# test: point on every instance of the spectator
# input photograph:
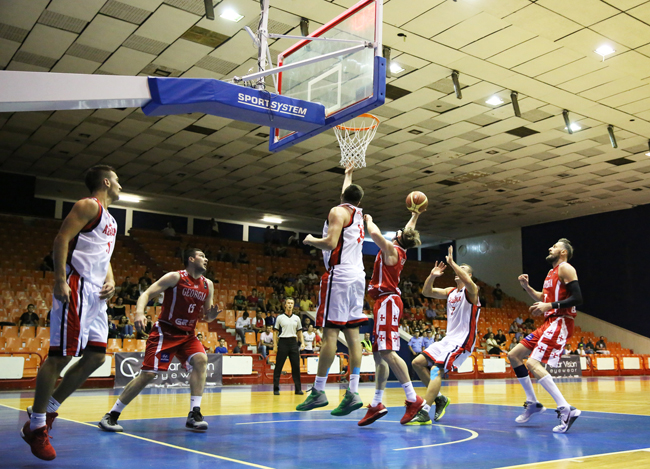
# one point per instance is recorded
(130, 296)
(415, 344)
(48, 263)
(239, 348)
(125, 328)
(513, 344)
(441, 313)
(266, 341)
(126, 284)
(404, 327)
(113, 331)
(214, 228)
(582, 342)
(242, 325)
(313, 277)
(294, 239)
(142, 286)
(146, 278)
(567, 350)
(274, 305)
(575, 352)
(243, 257)
(500, 338)
(273, 279)
(519, 320)
(223, 255)
(428, 339)
(169, 231)
(581, 350)
(430, 313)
(259, 325)
(29, 317)
(270, 319)
(223, 347)
(601, 346)
(199, 336)
(589, 347)
(497, 295)
(305, 304)
(148, 325)
(514, 327)
(289, 290)
(407, 294)
(239, 302)
(487, 335)
(492, 346)
(253, 299)
(309, 337)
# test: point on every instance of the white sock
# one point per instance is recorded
(527, 384)
(354, 382)
(118, 407)
(195, 401)
(37, 421)
(53, 405)
(550, 386)
(426, 407)
(379, 395)
(410, 392)
(439, 394)
(320, 382)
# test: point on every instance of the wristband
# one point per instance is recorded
(555, 305)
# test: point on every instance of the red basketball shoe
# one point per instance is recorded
(373, 414)
(39, 441)
(411, 409)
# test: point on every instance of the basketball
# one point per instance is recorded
(416, 201)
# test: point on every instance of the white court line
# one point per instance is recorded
(555, 461)
(472, 436)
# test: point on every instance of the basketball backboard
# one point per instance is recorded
(347, 85)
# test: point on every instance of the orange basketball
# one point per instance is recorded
(416, 201)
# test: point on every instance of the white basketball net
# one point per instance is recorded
(354, 138)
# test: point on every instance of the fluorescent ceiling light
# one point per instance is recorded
(130, 198)
(231, 15)
(272, 220)
(604, 51)
(395, 68)
(494, 101)
(574, 127)
(390, 234)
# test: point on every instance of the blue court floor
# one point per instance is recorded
(469, 436)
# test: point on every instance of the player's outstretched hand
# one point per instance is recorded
(107, 291)
(438, 269)
(308, 240)
(450, 255)
(523, 280)
(367, 218)
(349, 169)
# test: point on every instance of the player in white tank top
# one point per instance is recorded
(346, 259)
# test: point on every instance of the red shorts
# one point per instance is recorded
(548, 341)
(164, 343)
(388, 313)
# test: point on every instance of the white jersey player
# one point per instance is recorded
(463, 309)
(79, 324)
(342, 288)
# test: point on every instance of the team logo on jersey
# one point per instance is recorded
(548, 283)
(164, 357)
(110, 230)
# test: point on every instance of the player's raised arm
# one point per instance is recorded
(169, 280)
(387, 247)
(534, 294)
(413, 221)
(464, 275)
(210, 311)
(428, 290)
(81, 214)
(335, 222)
(348, 178)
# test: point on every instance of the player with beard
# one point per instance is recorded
(188, 298)
(557, 302)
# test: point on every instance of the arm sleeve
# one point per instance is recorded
(574, 299)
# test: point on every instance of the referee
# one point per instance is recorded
(286, 333)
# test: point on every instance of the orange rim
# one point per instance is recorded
(360, 129)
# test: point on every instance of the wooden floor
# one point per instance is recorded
(485, 408)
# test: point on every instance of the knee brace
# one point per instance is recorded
(435, 371)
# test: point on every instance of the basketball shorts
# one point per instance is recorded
(446, 355)
(80, 324)
(548, 341)
(164, 343)
(340, 301)
(388, 312)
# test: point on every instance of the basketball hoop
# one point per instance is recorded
(354, 138)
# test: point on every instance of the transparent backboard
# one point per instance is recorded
(340, 82)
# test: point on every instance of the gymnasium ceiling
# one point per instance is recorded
(482, 168)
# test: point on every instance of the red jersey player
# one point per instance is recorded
(387, 310)
(79, 325)
(557, 301)
(188, 298)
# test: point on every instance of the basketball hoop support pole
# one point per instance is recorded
(263, 38)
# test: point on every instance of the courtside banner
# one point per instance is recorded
(127, 367)
(568, 367)
(218, 98)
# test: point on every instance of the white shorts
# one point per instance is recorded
(80, 324)
(340, 304)
(446, 354)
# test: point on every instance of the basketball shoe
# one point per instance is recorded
(39, 441)
(49, 417)
(108, 423)
(351, 402)
(412, 409)
(421, 418)
(314, 400)
(441, 405)
(531, 408)
(373, 414)
(567, 415)
(195, 420)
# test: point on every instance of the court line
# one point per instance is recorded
(472, 436)
(130, 435)
(555, 461)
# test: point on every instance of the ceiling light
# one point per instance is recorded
(494, 101)
(130, 198)
(390, 234)
(395, 68)
(604, 51)
(574, 127)
(612, 137)
(231, 15)
(455, 79)
(514, 97)
(567, 122)
(268, 219)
